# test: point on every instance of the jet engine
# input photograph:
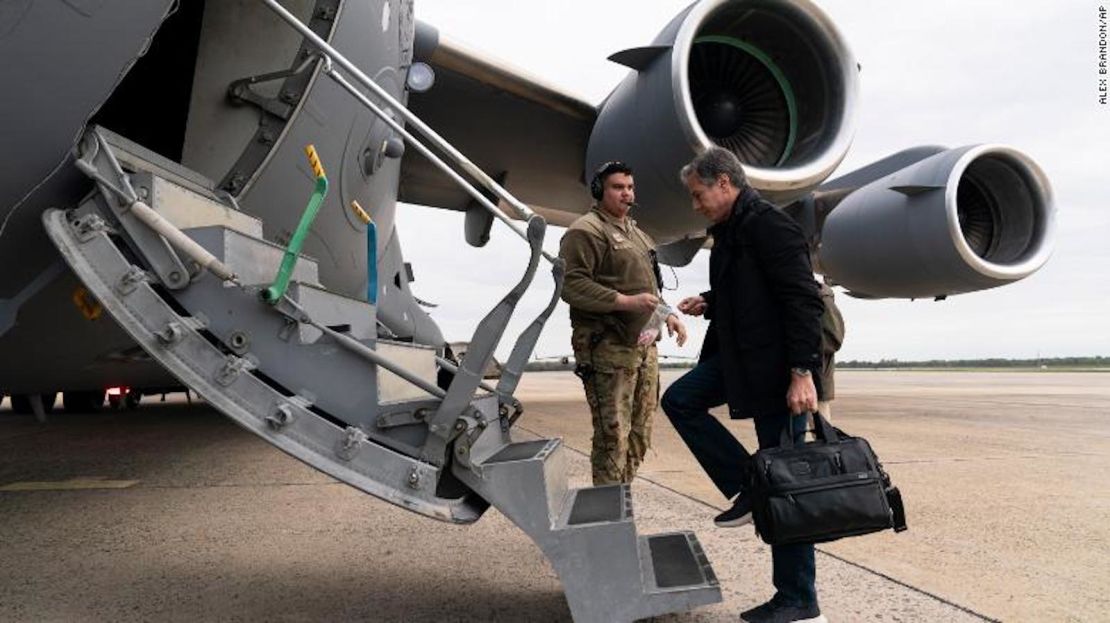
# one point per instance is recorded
(774, 82)
(957, 221)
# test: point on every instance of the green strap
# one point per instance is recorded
(274, 293)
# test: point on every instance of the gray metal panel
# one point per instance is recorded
(9, 307)
(239, 38)
(597, 504)
(331, 309)
(415, 358)
(62, 60)
(674, 562)
(517, 487)
(255, 260)
(134, 157)
(518, 451)
(187, 209)
(333, 378)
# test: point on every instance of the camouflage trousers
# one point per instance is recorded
(622, 389)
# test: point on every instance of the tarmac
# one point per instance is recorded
(173, 513)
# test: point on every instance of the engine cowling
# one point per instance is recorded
(772, 81)
(958, 221)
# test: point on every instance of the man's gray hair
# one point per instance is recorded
(712, 163)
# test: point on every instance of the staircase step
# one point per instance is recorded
(354, 317)
(255, 260)
(529, 466)
(358, 319)
(416, 358)
(676, 574)
(135, 157)
(609, 572)
(521, 451)
(188, 209)
(184, 197)
(677, 561)
(594, 505)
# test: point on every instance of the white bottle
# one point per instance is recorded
(654, 326)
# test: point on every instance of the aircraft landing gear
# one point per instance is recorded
(38, 404)
(83, 401)
(127, 400)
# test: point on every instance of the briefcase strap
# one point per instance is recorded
(898, 512)
(822, 429)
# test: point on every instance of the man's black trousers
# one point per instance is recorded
(687, 402)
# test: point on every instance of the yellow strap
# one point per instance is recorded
(360, 213)
(314, 161)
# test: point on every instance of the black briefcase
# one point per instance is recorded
(822, 490)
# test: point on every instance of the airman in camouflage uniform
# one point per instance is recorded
(612, 288)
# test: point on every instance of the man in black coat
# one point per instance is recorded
(761, 355)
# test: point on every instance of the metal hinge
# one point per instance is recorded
(240, 92)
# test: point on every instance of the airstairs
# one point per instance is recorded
(183, 271)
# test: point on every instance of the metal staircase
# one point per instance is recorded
(609, 572)
(183, 273)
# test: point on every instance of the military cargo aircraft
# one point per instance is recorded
(154, 232)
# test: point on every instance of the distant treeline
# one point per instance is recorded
(567, 363)
(1054, 362)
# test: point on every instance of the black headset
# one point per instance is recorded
(597, 184)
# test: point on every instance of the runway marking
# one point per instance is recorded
(73, 484)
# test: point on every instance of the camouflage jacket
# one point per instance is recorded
(605, 256)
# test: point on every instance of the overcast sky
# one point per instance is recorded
(949, 73)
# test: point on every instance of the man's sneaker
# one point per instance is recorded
(776, 612)
(738, 515)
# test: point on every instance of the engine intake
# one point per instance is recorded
(771, 81)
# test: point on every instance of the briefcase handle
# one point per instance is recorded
(822, 428)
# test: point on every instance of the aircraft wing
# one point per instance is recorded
(527, 134)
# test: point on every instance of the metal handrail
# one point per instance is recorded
(490, 330)
(331, 55)
(329, 70)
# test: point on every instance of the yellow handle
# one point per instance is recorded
(314, 161)
(359, 212)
